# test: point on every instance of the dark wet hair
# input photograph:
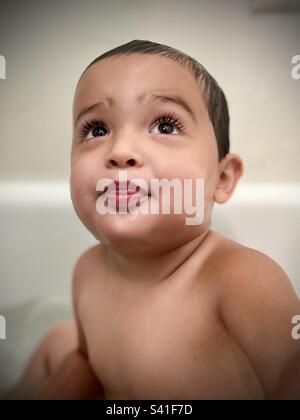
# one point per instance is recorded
(214, 96)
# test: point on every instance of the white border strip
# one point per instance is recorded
(57, 194)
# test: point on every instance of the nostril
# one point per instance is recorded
(131, 162)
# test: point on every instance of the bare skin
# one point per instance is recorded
(58, 352)
(202, 333)
(165, 310)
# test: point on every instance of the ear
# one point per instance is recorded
(231, 168)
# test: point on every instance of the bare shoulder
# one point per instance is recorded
(86, 263)
(239, 266)
(87, 257)
(257, 305)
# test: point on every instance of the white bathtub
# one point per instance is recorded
(41, 237)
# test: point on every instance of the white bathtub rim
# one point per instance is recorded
(57, 194)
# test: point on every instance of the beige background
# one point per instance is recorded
(48, 44)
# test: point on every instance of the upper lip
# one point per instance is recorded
(124, 186)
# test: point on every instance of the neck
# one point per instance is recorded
(150, 269)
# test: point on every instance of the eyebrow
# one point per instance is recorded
(145, 98)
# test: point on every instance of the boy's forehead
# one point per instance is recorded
(136, 78)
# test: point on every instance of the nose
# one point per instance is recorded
(122, 155)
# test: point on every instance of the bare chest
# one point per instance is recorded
(154, 345)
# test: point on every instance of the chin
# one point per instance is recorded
(136, 232)
(126, 226)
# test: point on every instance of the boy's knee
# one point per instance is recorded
(65, 331)
(59, 342)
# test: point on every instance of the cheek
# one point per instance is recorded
(191, 167)
(82, 186)
(205, 165)
(197, 165)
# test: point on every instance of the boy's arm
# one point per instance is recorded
(258, 306)
(75, 379)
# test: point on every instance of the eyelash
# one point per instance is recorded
(170, 117)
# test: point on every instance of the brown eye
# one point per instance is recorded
(166, 128)
(93, 129)
(167, 123)
(98, 131)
